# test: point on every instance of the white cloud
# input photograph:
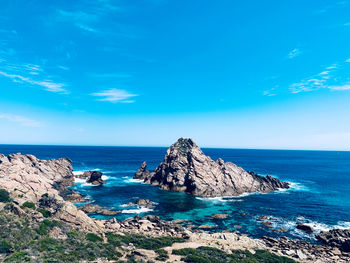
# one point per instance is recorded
(115, 95)
(329, 78)
(294, 53)
(270, 92)
(47, 84)
(21, 120)
(90, 16)
(342, 87)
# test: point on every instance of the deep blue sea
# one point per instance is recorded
(320, 194)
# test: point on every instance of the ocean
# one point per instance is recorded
(319, 196)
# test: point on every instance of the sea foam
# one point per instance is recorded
(137, 211)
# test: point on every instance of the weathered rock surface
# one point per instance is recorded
(187, 169)
(306, 228)
(94, 177)
(305, 252)
(339, 238)
(90, 208)
(220, 216)
(28, 178)
(142, 203)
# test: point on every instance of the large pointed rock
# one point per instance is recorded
(187, 169)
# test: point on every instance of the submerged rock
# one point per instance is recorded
(187, 169)
(220, 216)
(307, 229)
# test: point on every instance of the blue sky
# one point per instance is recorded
(247, 74)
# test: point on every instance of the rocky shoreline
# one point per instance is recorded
(46, 185)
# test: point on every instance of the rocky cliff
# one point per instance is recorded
(28, 178)
(186, 168)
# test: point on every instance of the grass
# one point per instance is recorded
(213, 255)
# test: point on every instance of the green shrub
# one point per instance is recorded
(140, 241)
(18, 257)
(5, 246)
(209, 254)
(44, 212)
(4, 196)
(46, 225)
(162, 254)
(30, 205)
(48, 244)
(93, 237)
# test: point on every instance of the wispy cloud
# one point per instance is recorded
(342, 87)
(294, 53)
(47, 84)
(270, 92)
(330, 78)
(87, 19)
(79, 18)
(348, 60)
(313, 83)
(115, 95)
(24, 121)
(335, 4)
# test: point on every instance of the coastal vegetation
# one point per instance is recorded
(214, 255)
(27, 235)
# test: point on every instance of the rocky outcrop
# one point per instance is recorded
(141, 203)
(306, 228)
(28, 178)
(339, 238)
(96, 209)
(219, 216)
(187, 169)
(94, 177)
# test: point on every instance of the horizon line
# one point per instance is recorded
(161, 146)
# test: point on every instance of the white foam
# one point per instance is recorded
(125, 205)
(291, 226)
(221, 199)
(343, 225)
(296, 187)
(79, 180)
(137, 211)
(131, 180)
(104, 177)
(78, 173)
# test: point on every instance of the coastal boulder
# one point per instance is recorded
(306, 228)
(186, 168)
(94, 177)
(339, 238)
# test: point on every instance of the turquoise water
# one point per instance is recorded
(320, 193)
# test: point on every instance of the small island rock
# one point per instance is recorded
(186, 168)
